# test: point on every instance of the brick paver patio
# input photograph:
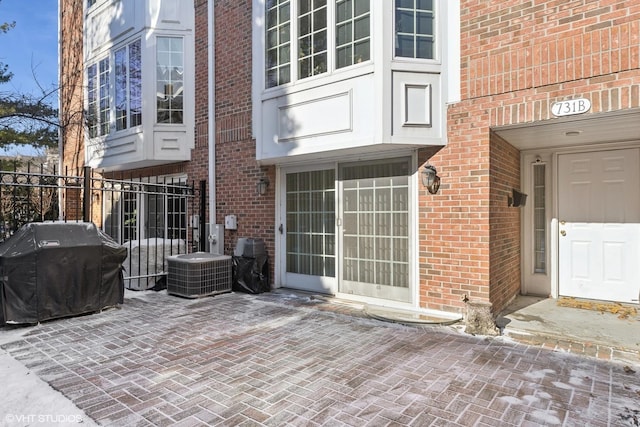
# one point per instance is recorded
(274, 359)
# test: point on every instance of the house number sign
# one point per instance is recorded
(570, 107)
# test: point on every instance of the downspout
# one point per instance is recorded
(214, 233)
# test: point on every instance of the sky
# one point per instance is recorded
(31, 45)
(30, 49)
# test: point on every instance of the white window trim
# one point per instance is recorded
(185, 78)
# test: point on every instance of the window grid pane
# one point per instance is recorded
(92, 100)
(120, 60)
(352, 32)
(170, 79)
(415, 35)
(135, 84)
(376, 231)
(540, 223)
(104, 97)
(311, 223)
(312, 38)
(278, 42)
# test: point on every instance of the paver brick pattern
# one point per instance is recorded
(279, 359)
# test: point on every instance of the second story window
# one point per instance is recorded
(103, 78)
(128, 86)
(98, 98)
(353, 43)
(92, 101)
(414, 31)
(278, 42)
(312, 37)
(169, 79)
(303, 32)
(122, 93)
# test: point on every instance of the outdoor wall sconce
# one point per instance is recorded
(430, 179)
(261, 186)
(517, 199)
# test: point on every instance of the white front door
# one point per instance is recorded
(599, 225)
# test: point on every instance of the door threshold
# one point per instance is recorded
(411, 317)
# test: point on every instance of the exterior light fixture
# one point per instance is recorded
(517, 199)
(261, 186)
(430, 179)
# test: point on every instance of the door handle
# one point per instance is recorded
(563, 233)
(280, 229)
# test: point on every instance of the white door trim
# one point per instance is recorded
(536, 283)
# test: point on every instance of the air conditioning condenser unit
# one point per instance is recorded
(199, 274)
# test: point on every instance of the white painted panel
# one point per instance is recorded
(316, 117)
(319, 122)
(613, 266)
(417, 105)
(170, 14)
(613, 201)
(170, 146)
(580, 259)
(108, 23)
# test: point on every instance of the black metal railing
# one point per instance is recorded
(153, 217)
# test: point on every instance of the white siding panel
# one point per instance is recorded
(317, 117)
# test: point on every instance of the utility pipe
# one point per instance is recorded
(211, 80)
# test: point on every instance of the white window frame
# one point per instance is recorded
(92, 99)
(169, 94)
(353, 43)
(132, 86)
(435, 34)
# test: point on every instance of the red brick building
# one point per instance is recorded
(336, 108)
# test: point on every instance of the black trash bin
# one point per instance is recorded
(53, 270)
(250, 267)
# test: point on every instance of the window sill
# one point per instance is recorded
(319, 80)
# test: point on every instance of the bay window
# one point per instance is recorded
(125, 90)
(303, 32)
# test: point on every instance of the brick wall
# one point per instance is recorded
(237, 171)
(517, 59)
(71, 100)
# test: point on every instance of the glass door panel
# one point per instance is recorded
(375, 231)
(310, 231)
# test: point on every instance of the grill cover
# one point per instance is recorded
(53, 270)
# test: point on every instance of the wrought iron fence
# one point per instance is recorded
(154, 217)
